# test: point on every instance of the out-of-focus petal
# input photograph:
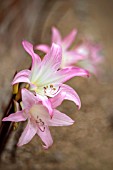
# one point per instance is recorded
(66, 93)
(42, 47)
(70, 58)
(83, 50)
(16, 117)
(28, 133)
(69, 39)
(60, 119)
(56, 37)
(45, 137)
(22, 76)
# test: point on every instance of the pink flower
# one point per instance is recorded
(69, 57)
(38, 119)
(86, 55)
(45, 77)
(91, 57)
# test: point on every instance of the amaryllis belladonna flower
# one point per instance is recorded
(45, 77)
(38, 118)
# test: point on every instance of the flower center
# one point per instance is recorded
(51, 90)
(40, 116)
(47, 90)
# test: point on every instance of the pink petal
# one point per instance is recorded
(83, 50)
(65, 74)
(52, 59)
(96, 53)
(70, 58)
(51, 63)
(69, 72)
(73, 57)
(42, 47)
(56, 37)
(69, 39)
(60, 119)
(29, 48)
(28, 98)
(27, 134)
(22, 76)
(67, 93)
(15, 117)
(46, 137)
(46, 102)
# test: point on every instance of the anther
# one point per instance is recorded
(51, 86)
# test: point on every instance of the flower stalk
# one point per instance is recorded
(6, 128)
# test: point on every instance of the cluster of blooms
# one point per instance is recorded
(46, 90)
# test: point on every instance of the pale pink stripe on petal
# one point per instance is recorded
(50, 64)
(52, 59)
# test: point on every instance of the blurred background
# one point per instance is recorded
(88, 144)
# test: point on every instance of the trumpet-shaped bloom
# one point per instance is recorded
(86, 55)
(45, 77)
(38, 119)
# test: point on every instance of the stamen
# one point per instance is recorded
(51, 86)
(51, 90)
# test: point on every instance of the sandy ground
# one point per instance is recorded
(88, 144)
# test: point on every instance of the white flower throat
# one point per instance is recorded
(40, 116)
(47, 90)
